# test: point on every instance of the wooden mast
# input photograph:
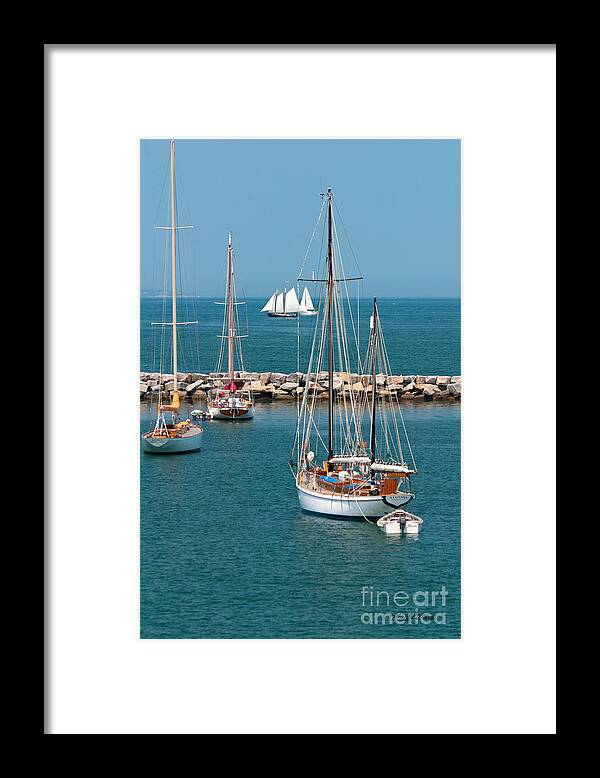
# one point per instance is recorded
(230, 318)
(374, 378)
(174, 279)
(330, 331)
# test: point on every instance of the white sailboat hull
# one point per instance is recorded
(349, 507)
(231, 414)
(191, 441)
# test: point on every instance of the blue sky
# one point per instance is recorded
(399, 201)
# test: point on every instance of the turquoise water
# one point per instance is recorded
(227, 553)
(422, 335)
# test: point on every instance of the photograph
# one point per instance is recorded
(300, 388)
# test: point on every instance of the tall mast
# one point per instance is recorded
(230, 321)
(330, 330)
(374, 378)
(173, 271)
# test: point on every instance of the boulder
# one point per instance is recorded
(455, 379)
(143, 389)
(170, 385)
(442, 380)
(278, 378)
(337, 384)
(431, 379)
(278, 394)
(441, 395)
(265, 378)
(420, 379)
(454, 390)
(395, 379)
(408, 379)
(289, 386)
(358, 386)
(298, 390)
(293, 378)
(256, 387)
(191, 388)
(380, 379)
(430, 389)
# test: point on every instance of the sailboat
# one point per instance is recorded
(282, 305)
(356, 478)
(306, 304)
(176, 436)
(229, 402)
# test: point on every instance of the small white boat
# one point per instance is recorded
(400, 523)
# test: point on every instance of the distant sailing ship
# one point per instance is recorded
(282, 305)
(354, 479)
(177, 436)
(229, 402)
(306, 304)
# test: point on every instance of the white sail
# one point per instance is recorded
(278, 303)
(292, 304)
(306, 304)
(270, 306)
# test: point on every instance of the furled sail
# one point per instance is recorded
(292, 305)
(270, 306)
(383, 467)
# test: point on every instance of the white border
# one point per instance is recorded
(500, 677)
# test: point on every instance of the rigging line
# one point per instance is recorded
(342, 276)
(386, 357)
(309, 420)
(312, 236)
(347, 236)
(392, 410)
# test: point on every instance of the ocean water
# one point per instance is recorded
(226, 551)
(422, 335)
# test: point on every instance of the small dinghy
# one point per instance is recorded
(400, 522)
(197, 413)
